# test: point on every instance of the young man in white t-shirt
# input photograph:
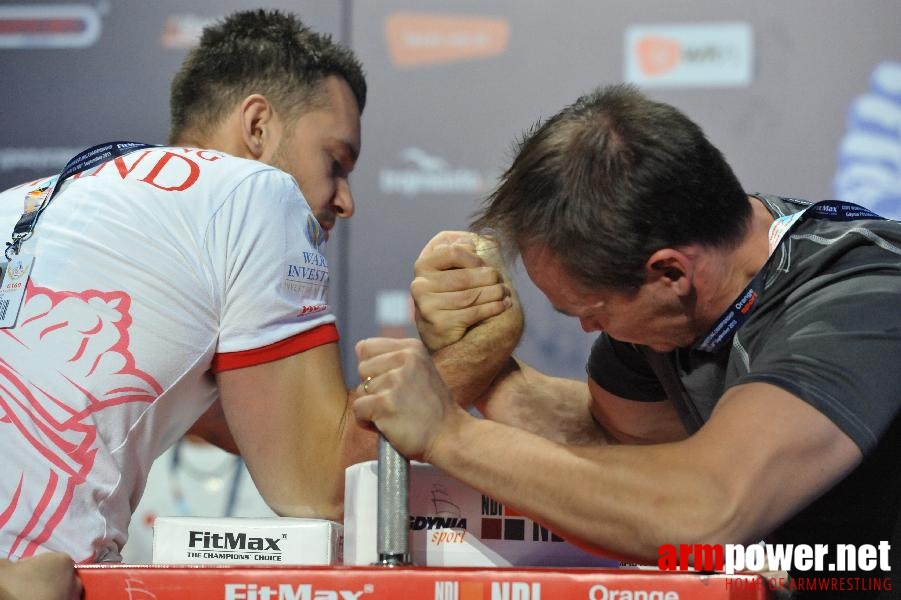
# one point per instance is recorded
(170, 283)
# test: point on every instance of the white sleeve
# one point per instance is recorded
(265, 247)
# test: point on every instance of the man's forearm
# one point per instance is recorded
(469, 366)
(610, 499)
(555, 408)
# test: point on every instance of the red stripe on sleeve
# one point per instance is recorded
(305, 340)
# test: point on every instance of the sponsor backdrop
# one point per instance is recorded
(455, 83)
(779, 86)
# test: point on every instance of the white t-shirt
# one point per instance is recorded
(151, 272)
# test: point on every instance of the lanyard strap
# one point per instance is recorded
(37, 201)
(746, 302)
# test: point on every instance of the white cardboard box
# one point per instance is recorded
(243, 541)
(453, 525)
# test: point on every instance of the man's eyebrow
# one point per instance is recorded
(348, 148)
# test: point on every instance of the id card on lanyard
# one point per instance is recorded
(16, 272)
(735, 316)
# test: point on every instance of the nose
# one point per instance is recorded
(344, 199)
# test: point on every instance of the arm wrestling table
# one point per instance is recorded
(394, 578)
(220, 582)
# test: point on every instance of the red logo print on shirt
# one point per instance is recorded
(66, 361)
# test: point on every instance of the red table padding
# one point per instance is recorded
(166, 582)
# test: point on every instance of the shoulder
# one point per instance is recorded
(780, 206)
(214, 162)
(221, 175)
(18, 191)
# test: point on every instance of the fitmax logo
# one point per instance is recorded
(231, 541)
(286, 591)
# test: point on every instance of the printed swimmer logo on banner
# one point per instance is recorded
(417, 40)
(424, 173)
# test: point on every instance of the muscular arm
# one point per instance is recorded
(213, 428)
(555, 408)
(569, 411)
(469, 367)
(632, 422)
(726, 483)
(291, 423)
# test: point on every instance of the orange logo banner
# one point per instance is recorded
(657, 55)
(427, 39)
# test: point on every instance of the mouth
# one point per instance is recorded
(326, 227)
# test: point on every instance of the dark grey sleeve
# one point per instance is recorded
(837, 346)
(622, 370)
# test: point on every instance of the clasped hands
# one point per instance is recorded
(459, 283)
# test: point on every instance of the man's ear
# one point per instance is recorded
(671, 268)
(257, 125)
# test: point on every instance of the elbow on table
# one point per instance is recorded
(331, 511)
(308, 501)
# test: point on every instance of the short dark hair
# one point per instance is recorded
(268, 52)
(611, 179)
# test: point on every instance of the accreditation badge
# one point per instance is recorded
(12, 288)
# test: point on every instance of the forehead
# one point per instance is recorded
(547, 273)
(336, 114)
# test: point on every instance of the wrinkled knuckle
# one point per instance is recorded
(472, 297)
(412, 344)
(485, 295)
(423, 287)
(358, 410)
(391, 380)
(494, 274)
(426, 317)
(460, 279)
(409, 354)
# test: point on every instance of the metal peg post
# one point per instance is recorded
(393, 522)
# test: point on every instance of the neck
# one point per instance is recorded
(220, 144)
(222, 138)
(727, 273)
(188, 141)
